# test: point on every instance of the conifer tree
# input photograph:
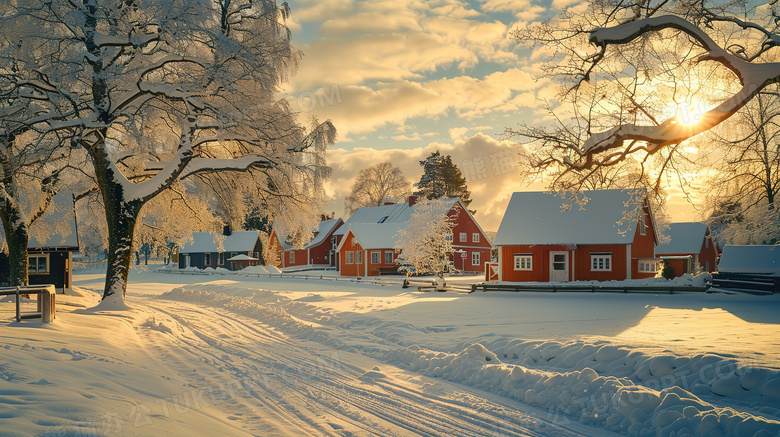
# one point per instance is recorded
(442, 179)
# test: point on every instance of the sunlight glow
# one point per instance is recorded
(688, 113)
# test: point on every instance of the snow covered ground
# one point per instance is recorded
(233, 355)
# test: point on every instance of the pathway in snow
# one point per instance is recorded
(289, 386)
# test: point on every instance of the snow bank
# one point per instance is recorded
(620, 404)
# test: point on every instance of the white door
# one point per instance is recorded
(559, 266)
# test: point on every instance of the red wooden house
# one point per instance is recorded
(366, 241)
(317, 252)
(690, 244)
(544, 238)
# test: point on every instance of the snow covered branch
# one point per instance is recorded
(752, 77)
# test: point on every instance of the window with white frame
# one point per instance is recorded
(475, 237)
(221, 258)
(524, 261)
(463, 237)
(642, 223)
(206, 259)
(388, 257)
(348, 257)
(292, 256)
(474, 258)
(648, 266)
(600, 262)
(375, 254)
(38, 264)
(359, 257)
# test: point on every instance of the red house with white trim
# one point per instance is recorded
(607, 235)
(366, 240)
(319, 252)
(689, 244)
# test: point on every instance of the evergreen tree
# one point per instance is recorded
(442, 179)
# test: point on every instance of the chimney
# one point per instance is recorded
(226, 230)
(412, 200)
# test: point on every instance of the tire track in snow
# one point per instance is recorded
(380, 407)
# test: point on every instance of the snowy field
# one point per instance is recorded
(232, 355)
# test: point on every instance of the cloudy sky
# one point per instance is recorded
(401, 79)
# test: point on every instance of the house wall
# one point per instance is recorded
(465, 223)
(59, 271)
(582, 262)
(355, 269)
(709, 253)
(643, 247)
(300, 258)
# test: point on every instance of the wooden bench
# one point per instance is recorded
(46, 295)
(391, 270)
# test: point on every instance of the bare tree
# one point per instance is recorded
(166, 90)
(630, 72)
(375, 184)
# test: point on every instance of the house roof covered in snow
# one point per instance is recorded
(242, 257)
(56, 229)
(374, 235)
(685, 238)
(537, 217)
(324, 229)
(207, 242)
(762, 260)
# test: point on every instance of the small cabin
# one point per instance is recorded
(750, 260)
(690, 245)
(600, 235)
(214, 250)
(53, 240)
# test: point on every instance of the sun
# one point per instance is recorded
(687, 113)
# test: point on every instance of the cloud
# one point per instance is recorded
(358, 109)
(489, 166)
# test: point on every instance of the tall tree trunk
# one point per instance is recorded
(121, 217)
(17, 237)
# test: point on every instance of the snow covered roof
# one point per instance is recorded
(537, 217)
(242, 257)
(750, 259)
(238, 241)
(686, 238)
(57, 227)
(374, 235)
(324, 229)
(396, 213)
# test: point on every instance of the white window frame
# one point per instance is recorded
(375, 256)
(221, 259)
(643, 264)
(349, 257)
(463, 237)
(600, 262)
(475, 237)
(388, 257)
(475, 258)
(642, 224)
(37, 256)
(524, 261)
(359, 257)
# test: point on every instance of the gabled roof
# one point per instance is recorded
(373, 235)
(750, 259)
(377, 214)
(206, 242)
(537, 217)
(58, 223)
(324, 229)
(686, 238)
